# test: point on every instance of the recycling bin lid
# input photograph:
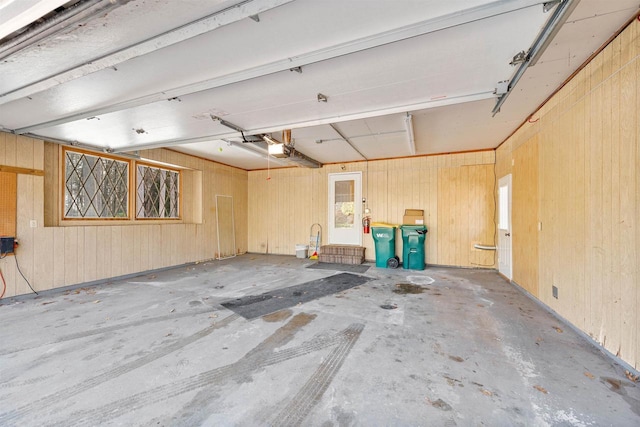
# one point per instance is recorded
(414, 227)
(383, 224)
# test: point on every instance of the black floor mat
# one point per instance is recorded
(252, 306)
(351, 268)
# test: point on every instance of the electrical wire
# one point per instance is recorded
(4, 284)
(20, 271)
(367, 204)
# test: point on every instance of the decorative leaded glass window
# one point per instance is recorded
(95, 186)
(157, 192)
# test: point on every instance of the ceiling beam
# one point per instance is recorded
(237, 12)
(485, 11)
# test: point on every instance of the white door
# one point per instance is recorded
(345, 208)
(504, 226)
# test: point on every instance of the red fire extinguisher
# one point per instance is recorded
(366, 224)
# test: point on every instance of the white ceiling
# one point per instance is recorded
(151, 73)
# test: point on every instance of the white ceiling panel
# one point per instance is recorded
(441, 130)
(177, 65)
(151, 73)
(394, 75)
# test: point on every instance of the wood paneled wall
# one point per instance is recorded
(525, 218)
(587, 139)
(52, 256)
(454, 190)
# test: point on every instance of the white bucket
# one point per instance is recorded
(301, 251)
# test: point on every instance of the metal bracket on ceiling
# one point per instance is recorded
(549, 31)
(518, 58)
(547, 6)
(255, 17)
(322, 98)
(227, 124)
(502, 87)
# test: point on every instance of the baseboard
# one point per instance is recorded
(54, 291)
(616, 361)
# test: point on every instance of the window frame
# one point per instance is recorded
(134, 178)
(63, 187)
(130, 219)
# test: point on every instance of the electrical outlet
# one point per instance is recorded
(554, 291)
(33, 223)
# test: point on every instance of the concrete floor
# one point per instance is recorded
(160, 350)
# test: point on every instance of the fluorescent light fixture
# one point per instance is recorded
(408, 123)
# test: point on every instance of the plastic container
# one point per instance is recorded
(413, 246)
(385, 241)
(301, 251)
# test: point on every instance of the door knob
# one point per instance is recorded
(507, 234)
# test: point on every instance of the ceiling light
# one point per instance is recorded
(408, 122)
(277, 150)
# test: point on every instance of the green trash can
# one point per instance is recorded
(413, 246)
(385, 241)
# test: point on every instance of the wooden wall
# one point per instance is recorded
(586, 144)
(454, 190)
(525, 219)
(56, 256)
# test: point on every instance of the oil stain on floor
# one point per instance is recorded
(408, 288)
